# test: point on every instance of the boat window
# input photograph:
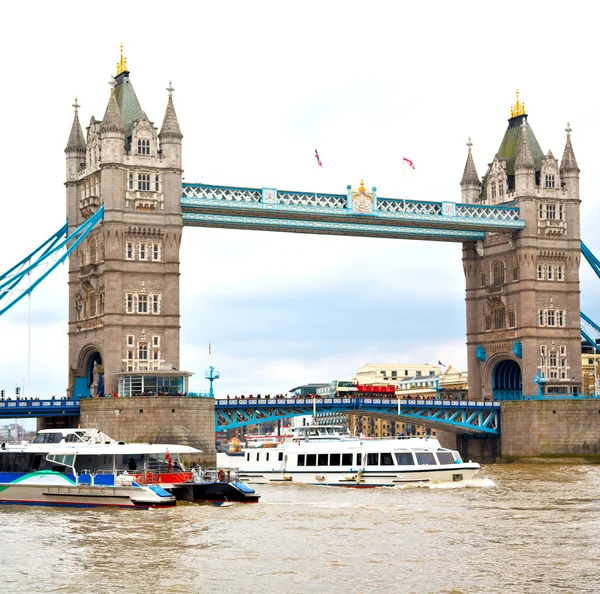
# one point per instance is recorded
(330, 431)
(334, 459)
(373, 459)
(405, 459)
(323, 460)
(71, 438)
(347, 460)
(387, 459)
(48, 438)
(257, 456)
(445, 457)
(280, 456)
(358, 459)
(311, 459)
(267, 456)
(426, 458)
(300, 459)
(248, 456)
(457, 457)
(322, 431)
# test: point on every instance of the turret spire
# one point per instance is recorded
(76, 141)
(470, 172)
(568, 163)
(170, 129)
(112, 121)
(524, 158)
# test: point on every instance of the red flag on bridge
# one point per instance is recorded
(410, 163)
(318, 160)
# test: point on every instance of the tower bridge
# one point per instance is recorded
(518, 224)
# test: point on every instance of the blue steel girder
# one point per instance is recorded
(303, 212)
(451, 415)
(20, 409)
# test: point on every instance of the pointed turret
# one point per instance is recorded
(170, 127)
(170, 133)
(470, 184)
(112, 121)
(524, 165)
(569, 162)
(569, 170)
(76, 143)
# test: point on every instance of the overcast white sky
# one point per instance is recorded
(258, 84)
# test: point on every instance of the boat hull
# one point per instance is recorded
(364, 478)
(57, 490)
(217, 492)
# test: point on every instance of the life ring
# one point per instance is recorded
(221, 475)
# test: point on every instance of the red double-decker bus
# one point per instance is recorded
(366, 390)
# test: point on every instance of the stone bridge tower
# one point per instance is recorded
(124, 278)
(522, 289)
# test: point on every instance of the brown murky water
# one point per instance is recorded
(518, 528)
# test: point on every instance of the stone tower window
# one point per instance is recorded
(500, 188)
(499, 318)
(512, 319)
(493, 192)
(130, 339)
(144, 182)
(156, 341)
(156, 252)
(550, 272)
(488, 322)
(498, 271)
(155, 304)
(551, 211)
(515, 273)
(143, 351)
(143, 251)
(560, 212)
(129, 250)
(156, 183)
(550, 182)
(540, 272)
(130, 182)
(143, 147)
(541, 211)
(560, 273)
(550, 317)
(142, 304)
(129, 303)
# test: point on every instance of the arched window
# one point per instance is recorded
(498, 271)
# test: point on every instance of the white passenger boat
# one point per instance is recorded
(86, 468)
(320, 455)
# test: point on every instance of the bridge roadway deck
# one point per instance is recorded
(451, 415)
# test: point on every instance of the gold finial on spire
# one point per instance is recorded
(518, 109)
(362, 188)
(122, 63)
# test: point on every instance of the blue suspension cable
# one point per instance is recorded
(78, 236)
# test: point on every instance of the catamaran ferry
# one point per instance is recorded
(321, 455)
(86, 468)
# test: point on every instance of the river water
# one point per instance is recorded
(517, 528)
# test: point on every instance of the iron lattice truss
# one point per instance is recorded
(269, 209)
(449, 415)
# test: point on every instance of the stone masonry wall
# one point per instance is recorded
(128, 419)
(550, 427)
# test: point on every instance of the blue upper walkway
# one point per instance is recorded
(356, 213)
